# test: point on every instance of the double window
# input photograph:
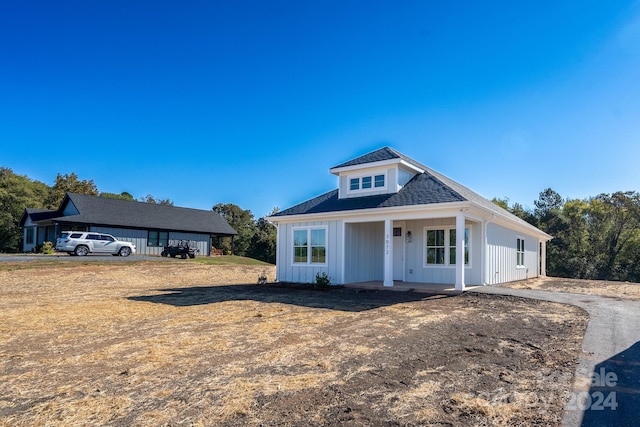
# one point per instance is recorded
(310, 246)
(519, 252)
(158, 238)
(440, 246)
(367, 182)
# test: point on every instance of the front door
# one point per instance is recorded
(398, 250)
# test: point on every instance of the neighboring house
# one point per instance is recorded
(394, 219)
(149, 226)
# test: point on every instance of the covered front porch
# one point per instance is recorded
(414, 252)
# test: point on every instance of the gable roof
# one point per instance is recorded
(36, 215)
(133, 214)
(428, 187)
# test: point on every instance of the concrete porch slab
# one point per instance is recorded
(430, 288)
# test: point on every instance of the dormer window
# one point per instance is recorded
(354, 184)
(365, 184)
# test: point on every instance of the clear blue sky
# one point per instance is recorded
(251, 102)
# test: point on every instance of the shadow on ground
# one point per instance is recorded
(344, 299)
(614, 396)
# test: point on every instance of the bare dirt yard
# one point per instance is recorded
(180, 343)
(623, 290)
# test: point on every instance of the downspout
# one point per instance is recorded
(485, 250)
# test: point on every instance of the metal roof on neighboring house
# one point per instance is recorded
(133, 214)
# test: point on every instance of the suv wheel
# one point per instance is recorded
(125, 251)
(81, 250)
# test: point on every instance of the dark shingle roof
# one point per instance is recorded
(430, 187)
(125, 213)
(380, 155)
(423, 189)
(36, 215)
(41, 214)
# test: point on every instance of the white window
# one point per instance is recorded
(440, 246)
(435, 247)
(452, 246)
(367, 183)
(310, 246)
(520, 252)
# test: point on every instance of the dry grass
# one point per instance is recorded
(624, 290)
(159, 343)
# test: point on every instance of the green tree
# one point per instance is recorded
(517, 209)
(503, 203)
(240, 220)
(263, 242)
(548, 217)
(613, 222)
(17, 192)
(68, 184)
(122, 196)
(576, 239)
(151, 199)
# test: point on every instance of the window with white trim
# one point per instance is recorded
(367, 183)
(440, 246)
(310, 246)
(452, 246)
(435, 247)
(519, 252)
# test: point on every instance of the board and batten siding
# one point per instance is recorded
(415, 254)
(287, 271)
(364, 252)
(139, 238)
(501, 255)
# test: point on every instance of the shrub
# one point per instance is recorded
(322, 281)
(262, 279)
(47, 248)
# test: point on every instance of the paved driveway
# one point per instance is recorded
(607, 385)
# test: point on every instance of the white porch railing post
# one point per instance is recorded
(460, 251)
(388, 254)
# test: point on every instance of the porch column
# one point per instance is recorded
(543, 259)
(460, 251)
(388, 254)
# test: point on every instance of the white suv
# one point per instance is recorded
(83, 242)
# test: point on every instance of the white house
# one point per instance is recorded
(392, 219)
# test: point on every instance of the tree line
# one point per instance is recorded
(593, 238)
(255, 239)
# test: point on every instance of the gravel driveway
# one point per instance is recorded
(68, 258)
